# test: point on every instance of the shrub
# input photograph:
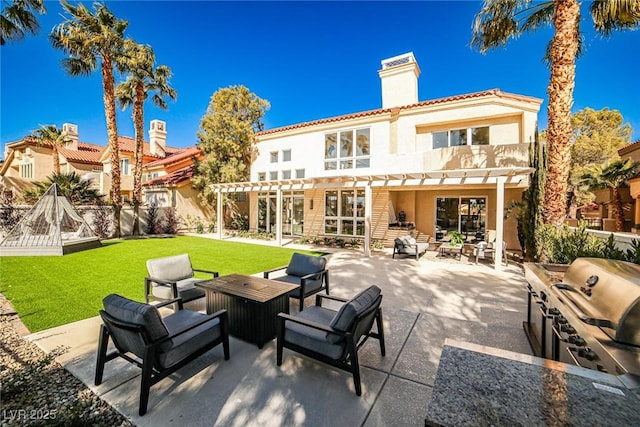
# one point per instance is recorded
(9, 215)
(171, 222)
(153, 220)
(101, 220)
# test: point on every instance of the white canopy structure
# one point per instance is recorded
(51, 227)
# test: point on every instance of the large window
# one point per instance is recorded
(458, 137)
(124, 167)
(466, 215)
(26, 168)
(347, 149)
(344, 212)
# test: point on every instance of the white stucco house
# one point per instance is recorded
(439, 165)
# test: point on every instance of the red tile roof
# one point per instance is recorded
(185, 153)
(492, 92)
(629, 148)
(126, 143)
(171, 179)
(86, 153)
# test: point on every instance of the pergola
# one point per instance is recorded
(500, 177)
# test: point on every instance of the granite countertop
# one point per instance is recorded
(483, 386)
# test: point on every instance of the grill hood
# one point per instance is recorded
(604, 293)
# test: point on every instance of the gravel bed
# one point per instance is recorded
(38, 391)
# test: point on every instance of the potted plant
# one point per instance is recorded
(456, 238)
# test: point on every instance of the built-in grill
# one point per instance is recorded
(586, 313)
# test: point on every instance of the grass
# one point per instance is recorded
(54, 290)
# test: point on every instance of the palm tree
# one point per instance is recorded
(143, 79)
(611, 176)
(78, 190)
(51, 134)
(18, 18)
(93, 39)
(500, 20)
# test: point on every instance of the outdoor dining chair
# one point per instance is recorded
(158, 345)
(334, 337)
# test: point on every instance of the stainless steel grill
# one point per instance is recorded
(587, 313)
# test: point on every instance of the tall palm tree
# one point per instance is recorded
(18, 18)
(79, 191)
(92, 39)
(611, 176)
(51, 134)
(143, 80)
(500, 20)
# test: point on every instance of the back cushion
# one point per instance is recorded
(301, 265)
(134, 312)
(358, 304)
(408, 240)
(172, 268)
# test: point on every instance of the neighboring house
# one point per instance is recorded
(166, 174)
(448, 164)
(167, 182)
(632, 151)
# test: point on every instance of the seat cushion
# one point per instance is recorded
(172, 268)
(184, 286)
(344, 318)
(310, 286)
(129, 311)
(301, 264)
(314, 339)
(186, 344)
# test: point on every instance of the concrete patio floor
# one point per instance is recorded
(424, 303)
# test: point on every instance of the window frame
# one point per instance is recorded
(341, 221)
(340, 156)
(467, 136)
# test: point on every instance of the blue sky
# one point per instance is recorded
(310, 60)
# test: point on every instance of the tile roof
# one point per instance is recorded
(183, 154)
(86, 153)
(491, 92)
(172, 178)
(629, 148)
(126, 143)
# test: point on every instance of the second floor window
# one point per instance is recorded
(299, 173)
(347, 149)
(273, 176)
(286, 155)
(458, 137)
(274, 156)
(26, 168)
(124, 166)
(286, 174)
(262, 176)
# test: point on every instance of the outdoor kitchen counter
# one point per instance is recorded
(480, 386)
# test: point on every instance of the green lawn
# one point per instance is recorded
(54, 290)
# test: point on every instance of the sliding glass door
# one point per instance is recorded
(466, 215)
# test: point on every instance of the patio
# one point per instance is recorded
(424, 303)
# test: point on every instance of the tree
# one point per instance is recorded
(143, 80)
(51, 134)
(500, 20)
(18, 18)
(227, 138)
(79, 191)
(597, 137)
(92, 39)
(611, 176)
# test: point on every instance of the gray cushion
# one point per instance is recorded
(165, 292)
(301, 264)
(345, 317)
(137, 313)
(172, 268)
(314, 339)
(185, 344)
(310, 286)
(408, 240)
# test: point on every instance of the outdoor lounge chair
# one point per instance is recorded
(308, 271)
(484, 250)
(334, 337)
(407, 245)
(172, 277)
(159, 346)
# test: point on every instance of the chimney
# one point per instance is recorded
(399, 78)
(157, 138)
(71, 132)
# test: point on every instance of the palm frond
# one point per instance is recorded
(613, 15)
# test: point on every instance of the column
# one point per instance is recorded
(368, 208)
(499, 222)
(279, 216)
(219, 213)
